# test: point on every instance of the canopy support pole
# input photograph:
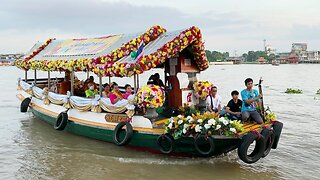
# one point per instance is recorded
(49, 79)
(100, 86)
(72, 82)
(35, 77)
(135, 83)
(109, 80)
(138, 85)
(87, 74)
(26, 75)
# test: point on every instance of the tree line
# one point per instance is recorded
(250, 56)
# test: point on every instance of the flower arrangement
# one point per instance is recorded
(150, 96)
(207, 123)
(202, 89)
(293, 91)
(270, 116)
(186, 110)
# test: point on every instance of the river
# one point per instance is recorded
(32, 149)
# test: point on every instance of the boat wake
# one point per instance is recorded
(229, 158)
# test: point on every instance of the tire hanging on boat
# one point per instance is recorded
(166, 143)
(268, 135)
(204, 145)
(128, 133)
(259, 148)
(277, 128)
(25, 104)
(61, 121)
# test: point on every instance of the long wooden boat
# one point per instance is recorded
(111, 56)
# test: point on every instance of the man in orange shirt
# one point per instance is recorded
(65, 85)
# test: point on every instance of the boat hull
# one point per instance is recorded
(140, 141)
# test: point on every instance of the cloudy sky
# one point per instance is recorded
(227, 25)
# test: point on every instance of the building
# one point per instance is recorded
(8, 59)
(235, 59)
(262, 60)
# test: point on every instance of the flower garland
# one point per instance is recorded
(150, 96)
(190, 36)
(202, 89)
(181, 126)
(108, 66)
(24, 64)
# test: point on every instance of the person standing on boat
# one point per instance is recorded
(233, 108)
(213, 101)
(250, 98)
(115, 94)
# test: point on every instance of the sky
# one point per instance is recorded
(234, 26)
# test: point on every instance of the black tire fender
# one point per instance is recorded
(256, 154)
(268, 135)
(205, 140)
(25, 104)
(165, 143)
(277, 129)
(61, 121)
(128, 133)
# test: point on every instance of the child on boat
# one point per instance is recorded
(107, 90)
(233, 108)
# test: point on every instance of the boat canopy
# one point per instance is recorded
(116, 55)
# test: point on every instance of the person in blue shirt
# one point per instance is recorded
(250, 98)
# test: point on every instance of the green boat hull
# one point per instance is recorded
(140, 141)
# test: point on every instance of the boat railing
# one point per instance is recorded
(96, 104)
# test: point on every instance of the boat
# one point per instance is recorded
(275, 63)
(130, 123)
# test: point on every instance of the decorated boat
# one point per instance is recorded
(168, 118)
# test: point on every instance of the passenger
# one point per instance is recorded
(115, 94)
(91, 92)
(106, 91)
(90, 82)
(250, 98)
(151, 80)
(158, 81)
(65, 85)
(213, 101)
(128, 89)
(233, 108)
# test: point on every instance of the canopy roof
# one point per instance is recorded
(112, 55)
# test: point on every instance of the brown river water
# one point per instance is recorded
(32, 149)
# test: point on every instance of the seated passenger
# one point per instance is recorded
(106, 91)
(250, 98)
(213, 101)
(128, 89)
(65, 85)
(158, 81)
(90, 82)
(91, 92)
(233, 108)
(115, 94)
(151, 80)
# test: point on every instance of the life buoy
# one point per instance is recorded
(268, 135)
(61, 121)
(165, 143)
(204, 145)
(258, 150)
(128, 133)
(25, 104)
(277, 128)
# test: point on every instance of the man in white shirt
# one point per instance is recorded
(213, 101)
